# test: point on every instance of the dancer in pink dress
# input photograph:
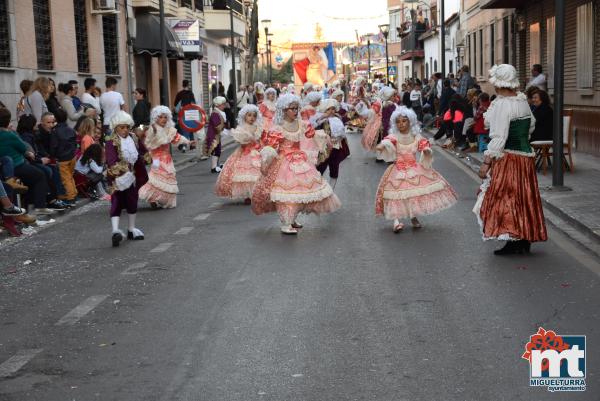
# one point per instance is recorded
(372, 130)
(290, 184)
(242, 169)
(161, 189)
(268, 108)
(409, 188)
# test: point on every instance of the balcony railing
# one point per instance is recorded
(411, 41)
(238, 7)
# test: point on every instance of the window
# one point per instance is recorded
(111, 44)
(480, 64)
(534, 44)
(451, 66)
(435, 66)
(492, 45)
(585, 45)
(81, 37)
(4, 35)
(186, 3)
(394, 24)
(550, 29)
(427, 70)
(474, 53)
(43, 35)
(506, 41)
(199, 4)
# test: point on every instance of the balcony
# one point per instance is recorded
(217, 22)
(410, 42)
(171, 7)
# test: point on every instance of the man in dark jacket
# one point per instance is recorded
(63, 145)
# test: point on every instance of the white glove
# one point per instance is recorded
(155, 163)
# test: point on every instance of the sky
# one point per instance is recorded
(295, 20)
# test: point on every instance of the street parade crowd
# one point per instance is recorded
(292, 145)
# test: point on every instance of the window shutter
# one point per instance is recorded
(550, 40)
(585, 45)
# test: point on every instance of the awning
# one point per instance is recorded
(147, 39)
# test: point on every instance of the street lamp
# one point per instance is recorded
(270, 60)
(267, 24)
(385, 30)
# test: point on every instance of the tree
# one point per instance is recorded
(285, 72)
(253, 35)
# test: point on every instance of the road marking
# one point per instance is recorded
(202, 216)
(184, 231)
(162, 247)
(81, 310)
(16, 362)
(134, 268)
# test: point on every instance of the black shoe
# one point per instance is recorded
(525, 246)
(215, 170)
(13, 211)
(378, 161)
(57, 205)
(116, 239)
(510, 248)
(131, 237)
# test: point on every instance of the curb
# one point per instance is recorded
(474, 164)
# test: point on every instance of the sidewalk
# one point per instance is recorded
(578, 207)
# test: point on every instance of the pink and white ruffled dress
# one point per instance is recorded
(410, 188)
(291, 183)
(242, 169)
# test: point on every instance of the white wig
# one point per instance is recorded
(291, 88)
(259, 87)
(359, 81)
(404, 111)
(158, 111)
(336, 84)
(249, 108)
(313, 97)
(308, 86)
(283, 103)
(121, 118)
(504, 76)
(271, 90)
(386, 93)
(327, 104)
(219, 100)
(337, 93)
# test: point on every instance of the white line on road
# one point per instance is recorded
(202, 216)
(184, 231)
(162, 247)
(16, 362)
(134, 268)
(81, 310)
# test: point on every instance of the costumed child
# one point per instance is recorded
(309, 110)
(259, 91)
(268, 108)
(372, 130)
(242, 169)
(161, 189)
(216, 124)
(345, 108)
(338, 151)
(126, 159)
(409, 188)
(290, 184)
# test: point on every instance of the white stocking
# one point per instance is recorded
(115, 224)
(130, 222)
(332, 182)
(214, 161)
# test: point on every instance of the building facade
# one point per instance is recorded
(75, 39)
(533, 40)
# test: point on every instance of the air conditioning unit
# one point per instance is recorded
(104, 7)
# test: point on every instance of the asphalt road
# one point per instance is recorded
(217, 305)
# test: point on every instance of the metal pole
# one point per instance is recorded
(270, 64)
(559, 48)
(267, 54)
(164, 85)
(129, 60)
(387, 60)
(443, 37)
(369, 60)
(233, 72)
